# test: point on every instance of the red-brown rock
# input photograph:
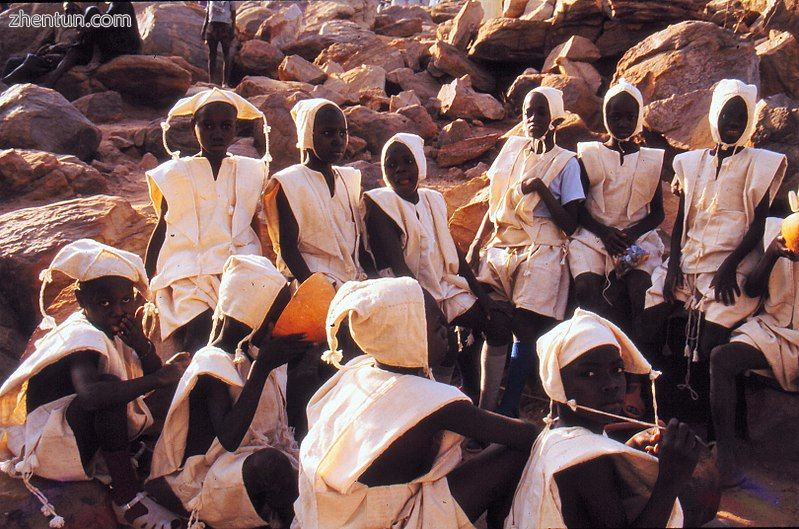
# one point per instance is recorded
(459, 100)
(166, 81)
(375, 127)
(465, 150)
(466, 24)
(295, 68)
(258, 57)
(779, 65)
(447, 59)
(510, 39)
(102, 107)
(422, 122)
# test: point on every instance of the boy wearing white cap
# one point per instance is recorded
(78, 399)
(226, 451)
(409, 236)
(576, 475)
(534, 196)
(622, 210)
(206, 206)
(725, 194)
(768, 340)
(312, 207)
(383, 449)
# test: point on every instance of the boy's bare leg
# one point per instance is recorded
(212, 60)
(638, 282)
(727, 362)
(106, 429)
(271, 484)
(588, 290)
(225, 62)
(488, 482)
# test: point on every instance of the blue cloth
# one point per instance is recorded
(522, 357)
(566, 187)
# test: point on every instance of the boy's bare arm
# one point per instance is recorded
(473, 255)
(565, 216)
(156, 242)
(725, 280)
(758, 279)
(289, 237)
(95, 393)
(470, 421)
(384, 240)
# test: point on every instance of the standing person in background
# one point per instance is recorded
(220, 18)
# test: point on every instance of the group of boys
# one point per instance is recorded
(381, 434)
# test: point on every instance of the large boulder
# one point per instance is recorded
(375, 127)
(423, 123)
(174, 29)
(259, 57)
(364, 77)
(404, 27)
(575, 49)
(466, 24)
(310, 43)
(778, 130)
(358, 52)
(465, 218)
(449, 60)
(422, 83)
(779, 65)
(282, 28)
(30, 238)
(459, 100)
(249, 19)
(43, 177)
(166, 81)
(295, 68)
(283, 133)
(33, 117)
(253, 85)
(676, 68)
(102, 107)
(466, 149)
(510, 40)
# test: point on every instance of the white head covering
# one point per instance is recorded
(621, 87)
(725, 90)
(416, 145)
(555, 100)
(386, 320)
(304, 114)
(87, 259)
(188, 106)
(249, 286)
(572, 338)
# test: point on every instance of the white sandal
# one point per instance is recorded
(157, 517)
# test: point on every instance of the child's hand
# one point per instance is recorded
(170, 373)
(533, 185)
(615, 241)
(276, 351)
(678, 452)
(132, 335)
(779, 248)
(726, 283)
(473, 256)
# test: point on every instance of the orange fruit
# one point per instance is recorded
(790, 232)
(307, 311)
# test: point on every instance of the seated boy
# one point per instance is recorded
(725, 195)
(577, 476)
(207, 211)
(768, 340)
(533, 204)
(624, 206)
(77, 400)
(408, 235)
(226, 452)
(383, 449)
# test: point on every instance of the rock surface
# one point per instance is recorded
(447, 59)
(375, 127)
(459, 100)
(295, 68)
(27, 115)
(102, 107)
(466, 24)
(510, 39)
(174, 29)
(464, 150)
(166, 81)
(779, 65)
(258, 57)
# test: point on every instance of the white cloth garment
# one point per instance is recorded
(207, 221)
(719, 209)
(330, 228)
(725, 90)
(415, 144)
(219, 12)
(304, 115)
(624, 87)
(352, 420)
(43, 443)
(211, 485)
(774, 330)
(537, 501)
(428, 247)
(619, 196)
(524, 262)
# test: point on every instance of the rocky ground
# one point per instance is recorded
(72, 159)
